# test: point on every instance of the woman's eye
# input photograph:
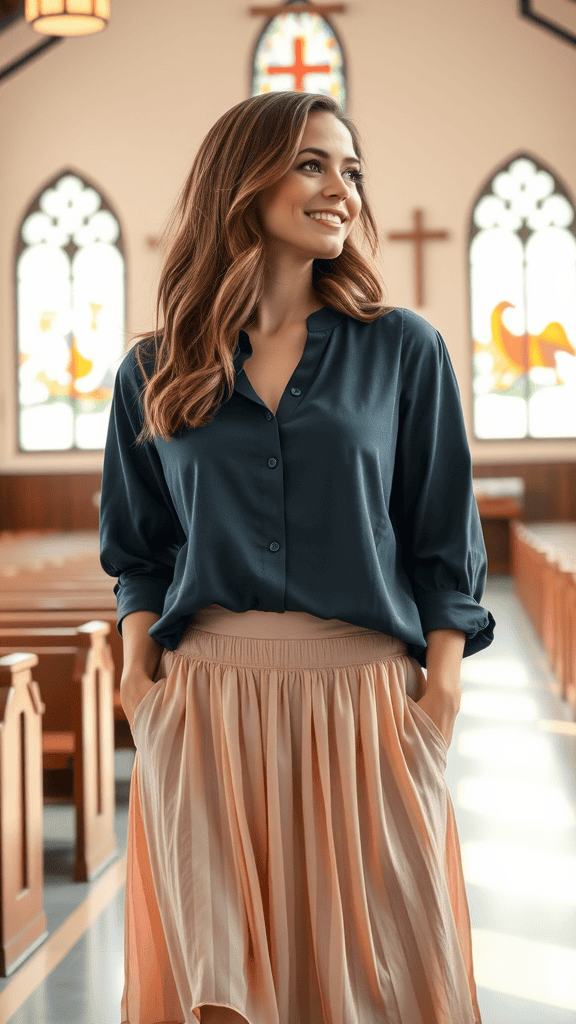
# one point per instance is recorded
(356, 175)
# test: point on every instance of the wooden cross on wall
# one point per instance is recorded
(418, 236)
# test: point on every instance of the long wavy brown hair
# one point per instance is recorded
(213, 271)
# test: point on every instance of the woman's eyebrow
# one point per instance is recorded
(322, 152)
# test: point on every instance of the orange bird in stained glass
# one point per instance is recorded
(515, 354)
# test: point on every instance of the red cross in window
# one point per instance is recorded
(298, 68)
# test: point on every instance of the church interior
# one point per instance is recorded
(463, 111)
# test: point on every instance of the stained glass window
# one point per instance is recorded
(523, 305)
(299, 52)
(70, 315)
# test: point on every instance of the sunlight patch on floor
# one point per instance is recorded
(517, 801)
(506, 747)
(519, 870)
(519, 967)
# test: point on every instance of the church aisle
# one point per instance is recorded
(512, 777)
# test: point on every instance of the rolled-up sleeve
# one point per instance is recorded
(436, 513)
(140, 533)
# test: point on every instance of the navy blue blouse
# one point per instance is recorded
(353, 502)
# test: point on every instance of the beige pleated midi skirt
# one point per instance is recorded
(292, 847)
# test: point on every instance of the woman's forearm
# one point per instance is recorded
(443, 662)
(141, 651)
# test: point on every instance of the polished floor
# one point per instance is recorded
(512, 777)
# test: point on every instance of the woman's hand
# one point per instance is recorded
(133, 689)
(442, 707)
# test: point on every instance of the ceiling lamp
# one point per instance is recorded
(67, 17)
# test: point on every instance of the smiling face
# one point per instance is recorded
(313, 183)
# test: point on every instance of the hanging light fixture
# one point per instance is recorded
(67, 17)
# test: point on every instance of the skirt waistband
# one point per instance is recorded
(270, 625)
(282, 639)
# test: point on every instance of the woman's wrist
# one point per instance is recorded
(444, 649)
(134, 675)
(446, 692)
(142, 653)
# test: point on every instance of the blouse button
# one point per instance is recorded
(274, 545)
(295, 391)
(268, 415)
(272, 462)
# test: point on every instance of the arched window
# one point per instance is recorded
(522, 249)
(70, 317)
(299, 53)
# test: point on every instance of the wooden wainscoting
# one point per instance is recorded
(49, 501)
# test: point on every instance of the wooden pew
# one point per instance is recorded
(55, 584)
(32, 618)
(529, 568)
(49, 619)
(76, 682)
(84, 601)
(51, 599)
(39, 588)
(23, 922)
(39, 569)
(570, 691)
(76, 671)
(544, 569)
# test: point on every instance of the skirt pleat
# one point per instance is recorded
(293, 852)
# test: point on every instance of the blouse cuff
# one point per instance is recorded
(140, 593)
(452, 609)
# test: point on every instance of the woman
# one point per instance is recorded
(290, 555)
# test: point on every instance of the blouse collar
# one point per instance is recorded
(318, 322)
